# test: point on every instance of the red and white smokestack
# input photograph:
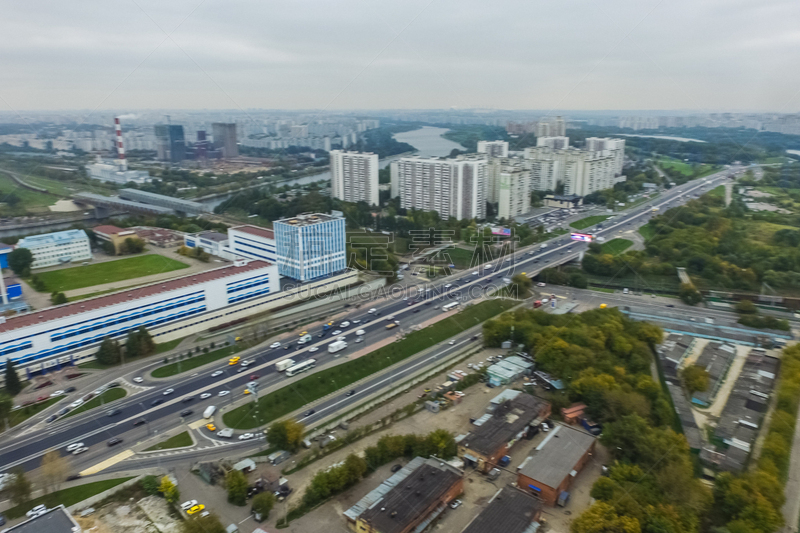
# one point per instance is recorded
(123, 164)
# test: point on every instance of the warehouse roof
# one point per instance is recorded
(509, 511)
(264, 233)
(557, 455)
(401, 506)
(508, 419)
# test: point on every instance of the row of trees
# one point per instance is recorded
(138, 343)
(604, 360)
(286, 435)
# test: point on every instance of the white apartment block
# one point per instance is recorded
(493, 148)
(617, 146)
(513, 193)
(558, 143)
(58, 248)
(354, 176)
(582, 172)
(451, 187)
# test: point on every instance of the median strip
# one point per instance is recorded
(304, 391)
(107, 396)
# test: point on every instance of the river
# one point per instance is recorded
(665, 137)
(427, 140)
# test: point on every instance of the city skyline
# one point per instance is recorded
(621, 55)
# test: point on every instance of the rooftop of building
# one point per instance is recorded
(402, 505)
(353, 152)
(557, 455)
(94, 199)
(59, 237)
(509, 511)
(5, 247)
(213, 236)
(507, 420)
(56, 520)
(93, 304)
(108, 229)
(307, 219)
(258, 231)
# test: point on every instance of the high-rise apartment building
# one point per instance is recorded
(310, 246)
(354, 176)
(580, 171)
(558, 143)
(551, 127)
(559, 128)
(452, 187)
(493, 148)
(616, 146)
(513, 191)
(170, 143)
(225, 139)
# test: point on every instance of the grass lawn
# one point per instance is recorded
(108, 272)
(67, 497)
(647, 231)
(717, 192)
(28, 199)
(160, 348)
(308, 389)
(588, 221)
(602, 289)
(460, 257)
(616, 246)
(21, 415)
(169, 345)
(687, 169)
(104, 399)
(181, 440)
(173, 369)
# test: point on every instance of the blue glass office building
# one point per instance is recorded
(310, 246)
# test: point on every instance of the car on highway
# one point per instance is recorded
(361, 339)
(114, 412)
(70, 389)
(217, 373)
(188, 504)
(186, 412)
(74, 446)
(540, 284)
(336, 333)
(254, 377)
(246, 436)
(157, 401)
(344, 324)
(76, 403)
(452, 341)
(139, 422)
(234, 360)
(205, 395)
(57, 393)
(138, 379)
(196, 508)
(78, 451)
(372, 310)
(223, 393)
(113, 441)
(351, 392)
(357, 321)
(275, 345)
(187, 399)
(448, 285)
(313, 349)
(308, 413)
(168, 392)
(287, 347)
(476, 273)
(50, 418)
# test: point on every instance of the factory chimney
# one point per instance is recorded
(123, 164)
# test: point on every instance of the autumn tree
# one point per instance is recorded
(286, 434)
(203, 524)
(746, 307)
(168, 489)
(263, 504)
(602, 518)
(55, 468)
(689, 294)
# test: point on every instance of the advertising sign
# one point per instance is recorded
(505, 232)
(585, 237)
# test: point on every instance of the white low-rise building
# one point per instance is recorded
(58, 248)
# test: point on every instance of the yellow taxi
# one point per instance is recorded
(603, 306)
(196, 509)
(211, 427)
(234, 360)
(247, 391)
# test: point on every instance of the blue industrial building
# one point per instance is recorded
(310, 246)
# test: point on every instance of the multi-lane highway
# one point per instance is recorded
(94, 428)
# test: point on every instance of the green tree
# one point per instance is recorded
(150, 485)
(109, 352)
(132, 245)
(58, 298)
(203, 524)
(286, 434)
(169, 490)
(6, 403)
(13, 384)
(20, 261)
(146, 343)
(695, 378)
(746, 307)
(236, 482)
(689, 294)
(132, 345)
(263, 504)
(19, 489)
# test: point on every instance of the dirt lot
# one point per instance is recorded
(478, 489)
(149, 515)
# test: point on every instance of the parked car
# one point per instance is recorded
(188, 504)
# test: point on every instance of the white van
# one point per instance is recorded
(360, 332)
(624, 291)
(209, 412)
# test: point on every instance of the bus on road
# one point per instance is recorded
(301, 367)
(448, 307)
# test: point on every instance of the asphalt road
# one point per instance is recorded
(94, 428)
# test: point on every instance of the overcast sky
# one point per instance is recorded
(704, 55)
